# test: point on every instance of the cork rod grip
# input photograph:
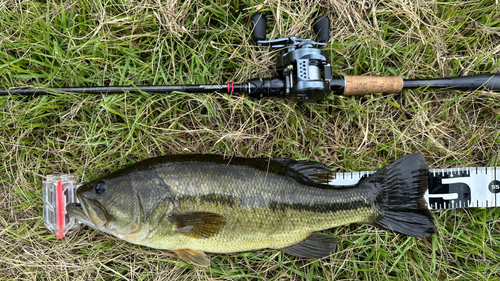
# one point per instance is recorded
(360, 85)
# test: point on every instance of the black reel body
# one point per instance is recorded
(304, 68)
(306, 71)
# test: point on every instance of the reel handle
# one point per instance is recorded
(321, 27)
(258, 25)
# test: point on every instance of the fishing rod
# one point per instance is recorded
(304, 74)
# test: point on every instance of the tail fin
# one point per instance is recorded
(399, 194)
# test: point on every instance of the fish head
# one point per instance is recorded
(107, 205)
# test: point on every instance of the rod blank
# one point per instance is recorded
(230, 88)
(489, 81)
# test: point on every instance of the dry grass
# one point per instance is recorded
(90, 42)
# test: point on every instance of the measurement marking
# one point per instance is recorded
(496, 196)
(449, 196)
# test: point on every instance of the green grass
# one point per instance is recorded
(87, 42)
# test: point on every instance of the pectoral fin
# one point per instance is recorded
(198, 224)
(317, 245)
(194, 257)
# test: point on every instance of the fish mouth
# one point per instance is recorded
(88, 212)
(76, 210)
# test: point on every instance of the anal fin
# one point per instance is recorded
(195, 257)
(317, 245)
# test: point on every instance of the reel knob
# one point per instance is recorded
(258, 25)
(321, 27)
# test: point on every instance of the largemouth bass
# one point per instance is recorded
(192, 204)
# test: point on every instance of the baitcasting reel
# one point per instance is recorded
(304, 67)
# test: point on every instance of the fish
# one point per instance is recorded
(193, 204)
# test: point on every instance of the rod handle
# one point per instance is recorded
(258, 25)
(361, 85)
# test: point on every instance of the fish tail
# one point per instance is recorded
(399, 189)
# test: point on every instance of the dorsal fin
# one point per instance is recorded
(305, 172)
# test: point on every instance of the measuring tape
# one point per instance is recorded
(450, 188)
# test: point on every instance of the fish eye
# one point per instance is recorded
(101, 188)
